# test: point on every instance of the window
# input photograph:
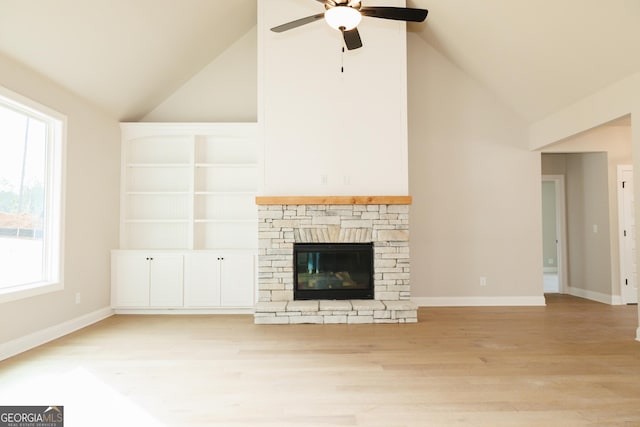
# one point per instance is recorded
(31, 196)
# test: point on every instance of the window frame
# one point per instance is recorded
(54, 196)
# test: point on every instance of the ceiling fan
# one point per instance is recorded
(345, 15)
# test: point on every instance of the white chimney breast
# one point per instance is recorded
(321, 124)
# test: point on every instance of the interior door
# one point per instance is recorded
(628, 265)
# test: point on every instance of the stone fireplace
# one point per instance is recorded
(382, 221)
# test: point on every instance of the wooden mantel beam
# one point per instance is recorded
(333, 200)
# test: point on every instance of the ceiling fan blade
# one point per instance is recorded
(297, 23)
(395, 13)
(352, 39)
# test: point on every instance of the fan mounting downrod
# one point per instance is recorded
(345, 15)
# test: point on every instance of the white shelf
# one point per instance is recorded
(222, 193)
(225, 165)
(159, 149)
(226, 179)
(158, 165)
(156, 221)
(156, 235)
(157, 193)
(223, 221)
(225, 234)
(229, 149)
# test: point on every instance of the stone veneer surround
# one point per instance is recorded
(282, 225)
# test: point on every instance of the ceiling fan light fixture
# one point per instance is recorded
(343, 18)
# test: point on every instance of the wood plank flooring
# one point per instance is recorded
(572, 363)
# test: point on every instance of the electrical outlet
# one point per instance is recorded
(78, 299)
(483, 281)
(324, 179)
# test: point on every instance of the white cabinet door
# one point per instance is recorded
(165, 280)
(237, 279)
(202, 280)
(130, 280)
(146, 279)
(219, 279)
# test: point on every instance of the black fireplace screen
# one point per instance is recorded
(333, 271)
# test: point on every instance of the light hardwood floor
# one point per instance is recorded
(572, 363)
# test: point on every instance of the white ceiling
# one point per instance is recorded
(127, 56)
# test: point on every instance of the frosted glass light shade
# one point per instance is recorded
(343, 16)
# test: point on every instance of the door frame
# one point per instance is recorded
(561, 230)
(621, 227)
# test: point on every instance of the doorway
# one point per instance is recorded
(553, 234)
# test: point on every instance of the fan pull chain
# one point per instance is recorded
(342, 61)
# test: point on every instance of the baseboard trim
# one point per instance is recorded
(479, 301)
(595, 296)
(27, 342)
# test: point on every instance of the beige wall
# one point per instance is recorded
(475, 186)
(224, 91)
(587, 207)
(91, 208)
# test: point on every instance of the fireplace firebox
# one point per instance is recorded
(336, 271)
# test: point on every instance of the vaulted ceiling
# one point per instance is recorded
(126, 56)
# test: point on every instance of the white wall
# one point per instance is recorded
(476, 190)
(93, 158)
(349, 127)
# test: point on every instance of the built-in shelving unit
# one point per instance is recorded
(187, 189)
(188, 186)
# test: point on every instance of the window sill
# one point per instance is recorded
(15, 293)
